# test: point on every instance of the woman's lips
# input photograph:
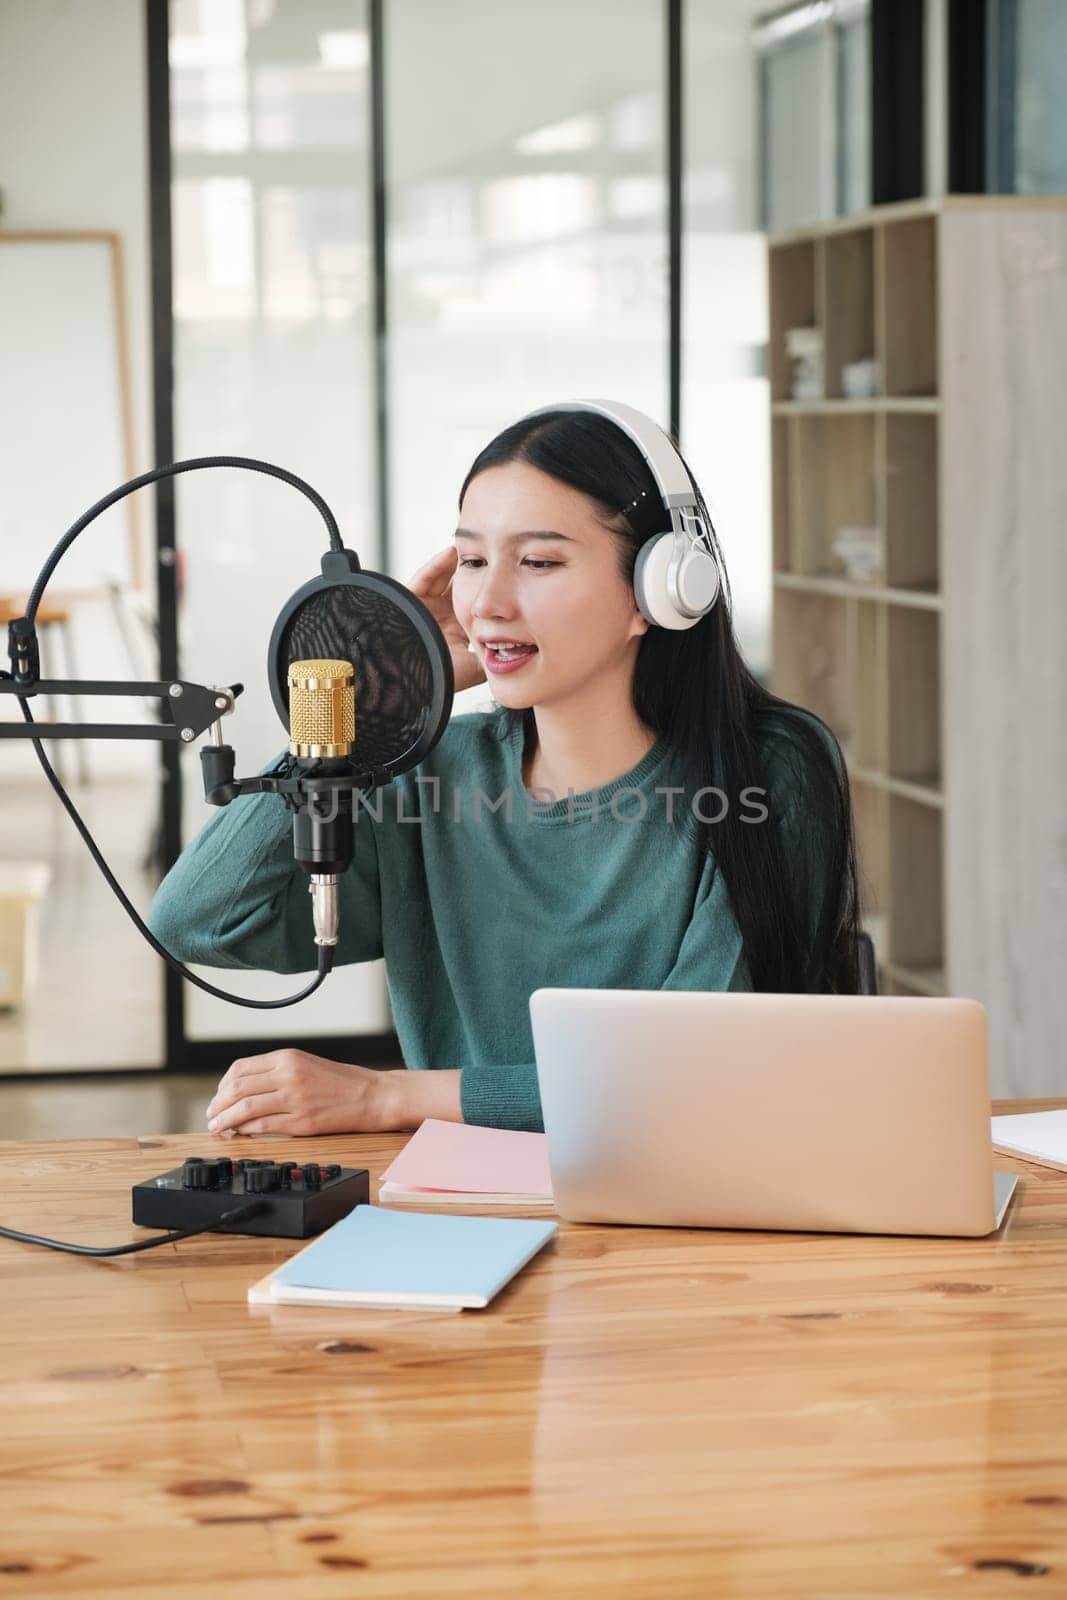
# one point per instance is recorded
(497, 666)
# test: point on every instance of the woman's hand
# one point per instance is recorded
(292, 1092)
(432, 584)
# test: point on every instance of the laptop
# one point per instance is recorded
(816, 1113)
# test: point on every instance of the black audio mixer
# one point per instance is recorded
(293, 1199)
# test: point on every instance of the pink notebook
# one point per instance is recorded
(454, 1163)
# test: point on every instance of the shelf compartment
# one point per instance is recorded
(866, 669)
(848, 304)
(870, 814)
(792, 301)
(925, 982)
(780, 498)
(916, 912)
(833, 476)
(908, 321)
(911, 464)
(809, 656)
(914, 678)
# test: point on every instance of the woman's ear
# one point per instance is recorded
(639, 623)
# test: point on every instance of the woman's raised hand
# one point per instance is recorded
(432, 584)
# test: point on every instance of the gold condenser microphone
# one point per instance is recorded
(322, 729)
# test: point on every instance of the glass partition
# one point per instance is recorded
(527, 232)
(1027, 96)
(270, 131)
(725, 389)
(814, 111)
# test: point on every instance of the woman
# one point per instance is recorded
(566, 837)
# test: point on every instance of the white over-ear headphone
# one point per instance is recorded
(676, 579)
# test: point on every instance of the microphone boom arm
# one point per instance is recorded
(189, 709)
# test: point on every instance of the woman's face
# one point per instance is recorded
(538, 571)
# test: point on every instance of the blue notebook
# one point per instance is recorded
(375, 1257)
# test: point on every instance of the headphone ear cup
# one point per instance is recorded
(650, 584)
(698, 581)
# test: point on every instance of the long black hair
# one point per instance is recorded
(791, 881)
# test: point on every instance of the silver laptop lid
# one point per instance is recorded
(837, 1113)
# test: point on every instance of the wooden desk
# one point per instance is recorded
(642, 1413)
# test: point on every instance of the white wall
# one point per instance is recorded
(74, 154)
(73, 137)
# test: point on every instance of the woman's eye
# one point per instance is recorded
(538, 566)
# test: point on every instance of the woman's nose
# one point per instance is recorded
(493, 598)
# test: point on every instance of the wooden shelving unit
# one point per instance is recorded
(959, 304)
(865, 654)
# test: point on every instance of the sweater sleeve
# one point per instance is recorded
(236, 898)
(711, 955)
(501, 1096)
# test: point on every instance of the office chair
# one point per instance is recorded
(868, 966)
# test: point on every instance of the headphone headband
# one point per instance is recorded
(664, 462)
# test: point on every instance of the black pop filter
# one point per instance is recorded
(403, 669)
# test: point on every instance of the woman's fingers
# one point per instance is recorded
(267, 1125)
(234, 1084)
(246, 1109)
(231, 1084)
(435, 576)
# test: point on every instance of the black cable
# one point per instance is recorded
(325, 951)
(241, 1214)
(172, 471)
(325, 959)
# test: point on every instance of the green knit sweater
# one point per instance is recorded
(473, 908)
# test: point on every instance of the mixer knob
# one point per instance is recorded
(262, 1179)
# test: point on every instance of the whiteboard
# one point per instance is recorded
(63, 411)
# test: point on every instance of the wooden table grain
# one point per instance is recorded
(641, 1413)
